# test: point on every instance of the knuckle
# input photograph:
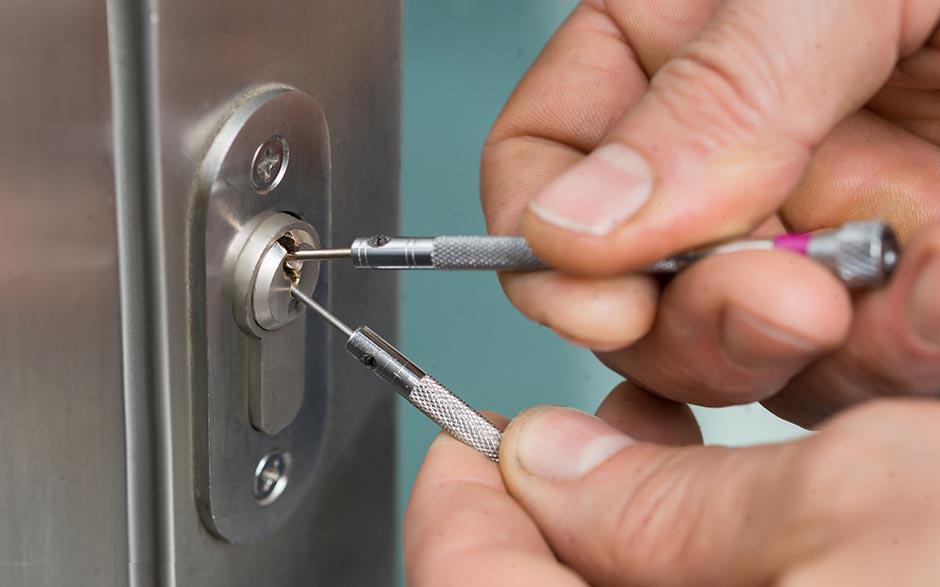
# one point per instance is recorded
(731, 81)
(660, 505)
(709, 97)
(889, 363)
(672, 371)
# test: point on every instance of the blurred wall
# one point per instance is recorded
(462, 59)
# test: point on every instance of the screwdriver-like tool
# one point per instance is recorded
(423, 391)
(861, 254)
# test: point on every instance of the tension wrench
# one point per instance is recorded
(861, 254)
(423, 391)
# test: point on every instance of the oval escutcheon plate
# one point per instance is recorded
(269, 161)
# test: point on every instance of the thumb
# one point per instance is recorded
(618, 511)
(725, 130)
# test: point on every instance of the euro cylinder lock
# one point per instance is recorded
(259, 384)
(264, 274)
(265, 309)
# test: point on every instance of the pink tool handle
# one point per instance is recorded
(797, 243)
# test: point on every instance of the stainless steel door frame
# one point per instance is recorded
(96, 467)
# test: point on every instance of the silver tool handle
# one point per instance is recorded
(424, 392)
(445, 253)
(484, 253)
(861, 254)
(456, 417)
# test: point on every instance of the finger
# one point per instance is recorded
(868, 168)
(649, 418)
(459, 508)
(601, 314)
(893, 347)
(462, 528)
(894, 556)
(725, 131)
(735, 328)
(580, 85)
(920, 70)
(621, 512)
(582, 82)
(594, 68)
(656, 30)
(913, 109)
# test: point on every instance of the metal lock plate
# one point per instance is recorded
(260, 386)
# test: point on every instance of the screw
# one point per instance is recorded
(379, 240)
(269, 164)
(270, 477)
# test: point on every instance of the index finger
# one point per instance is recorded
(595, 67)
(463, 528)
(590, 73)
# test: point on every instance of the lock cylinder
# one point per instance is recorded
(264, 274)
(271, 301)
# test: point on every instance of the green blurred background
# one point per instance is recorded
(462, 58)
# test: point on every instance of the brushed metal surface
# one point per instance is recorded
(96, 363)
(62, 492)
(242, 373)
(345, 54)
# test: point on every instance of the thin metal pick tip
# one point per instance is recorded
(310, 303)
(319, 254)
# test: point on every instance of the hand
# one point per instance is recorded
(584, 504)
(651, 126)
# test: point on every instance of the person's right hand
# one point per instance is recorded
(575, 501)
(647, 127)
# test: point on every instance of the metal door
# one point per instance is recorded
(107, 109)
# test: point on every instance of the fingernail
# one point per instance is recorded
(924, 315)
(593, 346)
(598, 194)
(750, 339)
(561, 444)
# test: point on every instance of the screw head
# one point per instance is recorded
(269, 164)
(270, 478)
(379, 240)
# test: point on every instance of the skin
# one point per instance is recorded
(647, 127)
(857, 121)
(852, 505)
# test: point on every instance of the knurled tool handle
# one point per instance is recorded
(456, 417)
(424, 392)
(445, 253)
(861, 254)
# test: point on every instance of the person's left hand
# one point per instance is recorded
(578, 500)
